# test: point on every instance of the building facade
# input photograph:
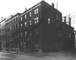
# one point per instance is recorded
(39, 28)
(75, 38)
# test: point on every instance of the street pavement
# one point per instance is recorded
(37, 56)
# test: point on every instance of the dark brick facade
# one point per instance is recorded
(39, 28)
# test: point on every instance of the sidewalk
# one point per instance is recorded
(47, 56)
(39, 56)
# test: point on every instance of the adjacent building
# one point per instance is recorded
(2, 34)
(75, 38)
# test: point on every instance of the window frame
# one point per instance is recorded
(36, 20)
(36, 11)
(25, 16)
(30, 14)
(21, 18)
(49, 20)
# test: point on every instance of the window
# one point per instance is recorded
(15, 18)
(25, 16)
(30, 22)
(60, 34)
(30, 14)
(21, 18)
(17, 25)
(10, 28)
(30, 33)
(57, 25)
(69, 35)
(36, 11)
(36, 20)
(57, 17)
(21, 34)
(25, 24)
(48, 20)
(21, 25)
(25, 33)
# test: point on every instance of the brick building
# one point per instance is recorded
(2, 34)
(39, 28)
(75, 38)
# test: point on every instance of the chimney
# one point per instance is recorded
(25, 9)
(53, 5)
(70, 21)
(64, 19)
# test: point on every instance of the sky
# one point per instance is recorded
(11, 7)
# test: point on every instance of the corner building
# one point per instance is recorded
(40, 28)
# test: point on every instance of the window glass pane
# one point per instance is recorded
(17, 25)
(15, 19)
(48, 20)
(25, 16)
(21, 25)
(10, 28)
(57, 17)
(21, 18)
(36, 20)
(30, 22)
(25, 24)
(25, 33)
(34, 11)
(30, 33)
(37, 10)
(21, 34)
(30, 14)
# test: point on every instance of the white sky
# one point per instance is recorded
(8, 7)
